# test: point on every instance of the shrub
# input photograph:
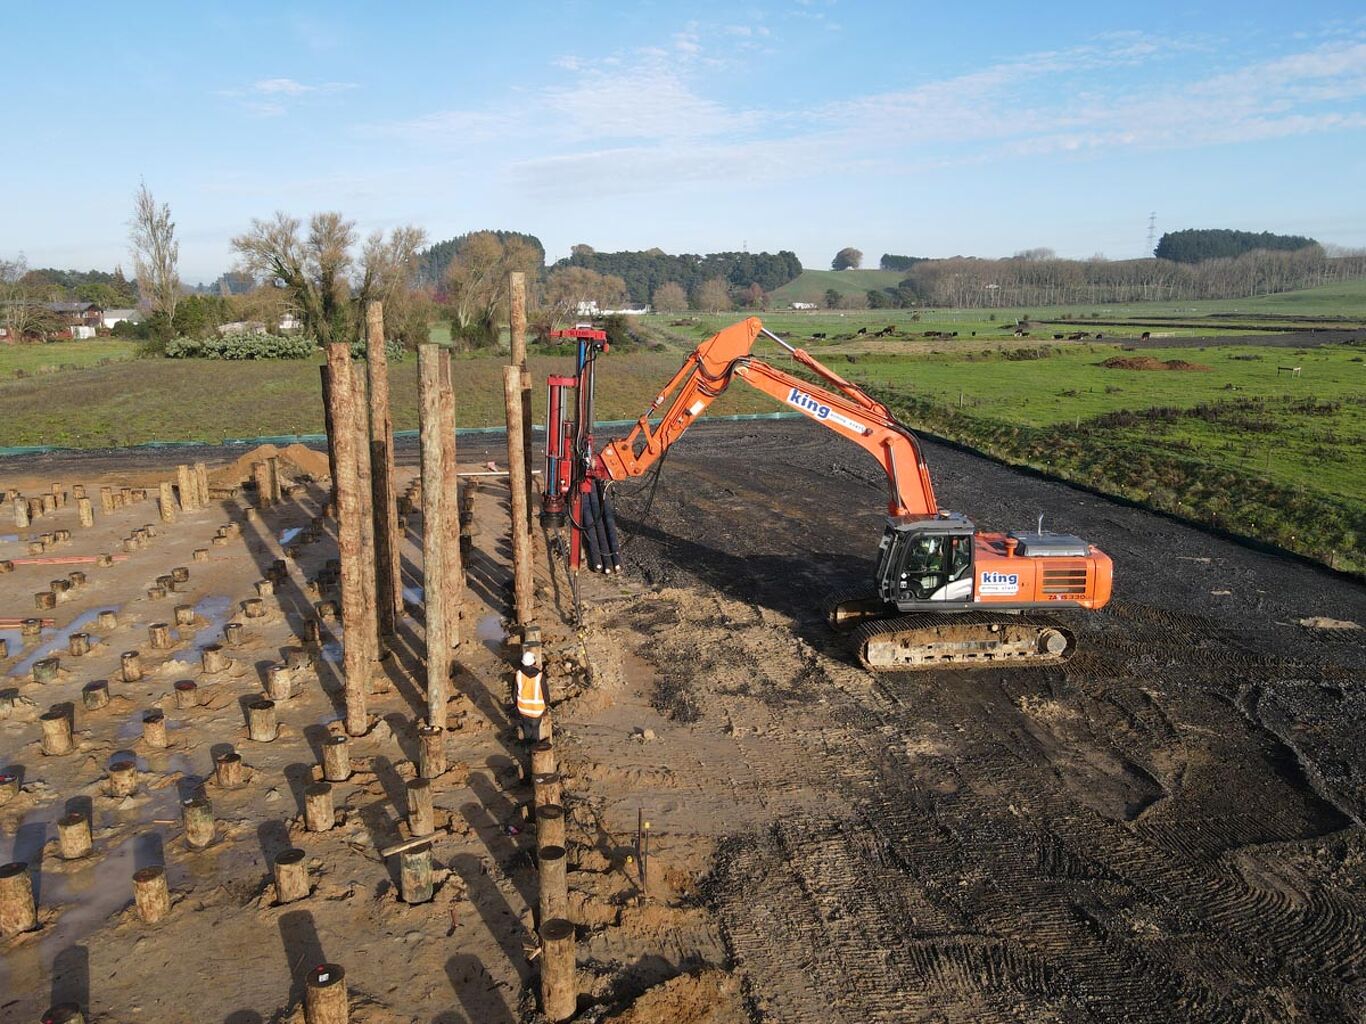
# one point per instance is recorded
(242, 346)
(129, 329)
(394, 350)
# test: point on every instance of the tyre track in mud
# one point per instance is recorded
(1166, 828)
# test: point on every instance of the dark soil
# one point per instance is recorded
(1168, 828)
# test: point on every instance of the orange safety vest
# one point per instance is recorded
(530, 699)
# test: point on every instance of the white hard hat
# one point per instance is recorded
(528, 658)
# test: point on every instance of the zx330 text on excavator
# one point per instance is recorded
(944, 594)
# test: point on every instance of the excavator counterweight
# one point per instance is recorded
(944, 594)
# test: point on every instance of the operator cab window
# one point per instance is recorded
(932, 562)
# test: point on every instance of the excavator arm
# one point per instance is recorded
(843, 407)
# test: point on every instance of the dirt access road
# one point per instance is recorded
(1166, 828)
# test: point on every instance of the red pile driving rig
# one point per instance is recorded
(573, 494)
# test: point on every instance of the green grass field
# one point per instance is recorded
(1346, 300)
(63, 355)
(209, 400)
(811, 285)
(1326, 451)
(1239, 445)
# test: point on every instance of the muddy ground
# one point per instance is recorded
(1166, 828)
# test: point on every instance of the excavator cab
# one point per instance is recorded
(924, 560)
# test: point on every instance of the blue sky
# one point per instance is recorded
(925, 129)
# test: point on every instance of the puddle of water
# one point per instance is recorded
(215, 611)
(332, 652)
(489, 629)
(56, 642)
(89, 894)
(14, 639)
(9, 538)
(92, 890)
(414, 596)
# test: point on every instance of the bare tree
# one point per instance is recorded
(670, 297)
(477, 279)
(387, 263)
(388, 273)
(23, 311)
(151, 235)
(567, 287)
(711, 296)
(315, 269)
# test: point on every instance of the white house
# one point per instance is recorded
(803, 305)
(589, 307)
(118, 316)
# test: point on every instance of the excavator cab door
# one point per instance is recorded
(926, 562)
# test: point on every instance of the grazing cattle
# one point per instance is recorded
(819, 335)
(1146, 335)
(863, 330)
(1076, 337)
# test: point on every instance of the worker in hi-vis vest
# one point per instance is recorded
(531, 697)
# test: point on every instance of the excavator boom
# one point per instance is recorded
(844, 408)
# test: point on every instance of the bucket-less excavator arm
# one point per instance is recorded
(847, 410)
(941, 585)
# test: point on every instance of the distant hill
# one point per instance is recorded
(811, 285)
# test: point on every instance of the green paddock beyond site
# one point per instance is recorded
(1239, 439)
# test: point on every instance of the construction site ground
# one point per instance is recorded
(1167, 828)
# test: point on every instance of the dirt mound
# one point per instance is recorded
(301, 459)
(1149, 363)
(1323, 622)
(708, 997)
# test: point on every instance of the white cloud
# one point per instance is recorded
(269, 97)
(653, 118)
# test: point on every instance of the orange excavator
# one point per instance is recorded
(944, 594)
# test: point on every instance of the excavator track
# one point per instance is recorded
(844, 610)
(926, 640)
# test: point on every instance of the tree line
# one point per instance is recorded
(644, 273)
(893, 262)
(977, 283)
(1195, 245)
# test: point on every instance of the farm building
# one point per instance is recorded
(78, 314)
(118, 316)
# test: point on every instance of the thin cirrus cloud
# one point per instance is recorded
(273, 97)
(644, 122)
